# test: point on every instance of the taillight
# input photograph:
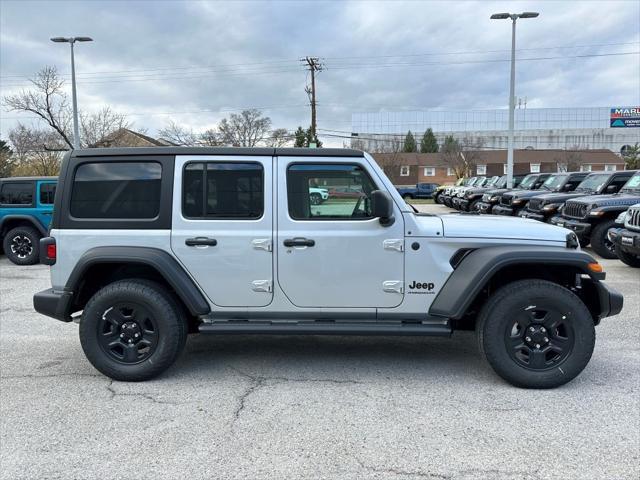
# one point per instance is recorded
(48, 251)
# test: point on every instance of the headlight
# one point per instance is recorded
(517, 201)
(622, 217)
(494, 198)
(550, 208)
(596, 214)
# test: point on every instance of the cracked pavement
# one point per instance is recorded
(310, 407)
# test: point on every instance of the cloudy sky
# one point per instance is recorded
(195, 61)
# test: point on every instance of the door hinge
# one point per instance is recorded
(396, 244)
(262, 244)
(261, 286)
(393, 286)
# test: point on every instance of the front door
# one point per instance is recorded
(223, 226)
(331, 252)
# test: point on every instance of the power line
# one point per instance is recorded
(314, 65)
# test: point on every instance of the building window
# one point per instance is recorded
(404, 171)
(504, 168)
(534, 167)
(429, 171)
(585, 168)
(610, 167)
(450, 172)
(481, 169)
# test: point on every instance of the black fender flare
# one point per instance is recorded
(174, 274)
(27, 218)
(476, 268)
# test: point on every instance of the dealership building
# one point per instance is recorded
(585, 128)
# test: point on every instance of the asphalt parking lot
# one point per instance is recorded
(311, 407)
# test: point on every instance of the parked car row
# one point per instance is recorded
(588, 203)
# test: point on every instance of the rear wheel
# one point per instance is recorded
(600, 242)
(21, 245)
(628, 258)
(536, 334)
(315, 198)
(132, 330)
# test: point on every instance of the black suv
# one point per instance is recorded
(492, 196)
(626, 238)
(531, 182)
(471, 197)
(591, 217)
(545, 206)
(515, 202)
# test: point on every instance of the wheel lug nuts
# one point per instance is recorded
(531, 329)
(543, 329)
(546, 339)
(528, 339)
(137, 335)
(122, 335)
(537, 345)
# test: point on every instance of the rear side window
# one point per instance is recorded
(16, 193)
(122, 190)
(219, 190)
(47, 193)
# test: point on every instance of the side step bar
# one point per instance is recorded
(326, 328)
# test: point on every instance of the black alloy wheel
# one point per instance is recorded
(315, 198)
(21, 245)
(128, 333)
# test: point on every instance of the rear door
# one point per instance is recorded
(45, 194)
(222, 226)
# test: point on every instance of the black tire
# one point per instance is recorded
(119, 311)
(584, 242)
(22, 245)
(315, 198)
(628, 258)
(436, 198)
(473, 205)
(559, 319)
(599, 241)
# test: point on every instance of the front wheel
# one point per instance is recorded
(536, 334)
(628, 258)
(21, 245)
(316, 198)
(600, 241)
(132, 330)
(473, 207)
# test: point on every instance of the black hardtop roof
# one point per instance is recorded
(604, 172)
(25, 179)
(282, 152)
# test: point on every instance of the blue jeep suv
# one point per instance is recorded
(26, 205)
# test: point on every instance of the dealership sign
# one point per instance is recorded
(625, 117)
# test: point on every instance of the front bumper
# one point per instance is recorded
(627, 240)
(502, 210)
(532, 215)
(611, 301)
(464, 204)
(484, 207)
(581, 229)
(54, 304)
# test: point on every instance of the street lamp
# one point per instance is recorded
(512, 98)
(71, 41)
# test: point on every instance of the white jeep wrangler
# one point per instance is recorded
(148, 245)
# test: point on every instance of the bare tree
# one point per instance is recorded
(36, 151)
(569, 160)
(209, 138)
(280, 137)
(7, 160)
(96, 126)
(461, 156)
(178, 135)
(48, 101)
(246, 129)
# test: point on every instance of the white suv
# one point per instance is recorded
(148, 245)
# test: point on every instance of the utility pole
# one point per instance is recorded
(314, 65)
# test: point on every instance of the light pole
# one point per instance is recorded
(71, 41)
(512, 98)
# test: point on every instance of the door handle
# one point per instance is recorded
(299, 242)
(200, 241)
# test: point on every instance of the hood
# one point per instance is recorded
(525, 193)
(559, 197)
(609, 200)
(497, 191)
(496, 226)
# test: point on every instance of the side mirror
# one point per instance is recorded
(611, 189)
(382, 207)
(567, 187)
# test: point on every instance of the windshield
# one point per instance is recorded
(502, 182)
(481, 182)
(471, 182)
(528, 181)
(492, 181)
(554, 182)
(592, 183)
(633, 183)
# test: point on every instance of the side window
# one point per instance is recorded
(325, 191)
(618, 181)
(47, 193)
(222, 190)
(15, 193)
(116, 190)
